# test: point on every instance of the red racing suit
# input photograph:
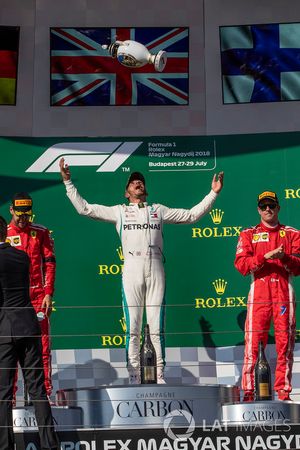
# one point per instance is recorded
(35, 240)
(271, 296)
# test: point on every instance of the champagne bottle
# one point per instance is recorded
(148, 360)
(262, 373)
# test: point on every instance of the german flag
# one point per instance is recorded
(9, 46)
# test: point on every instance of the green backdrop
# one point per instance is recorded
(205, 296)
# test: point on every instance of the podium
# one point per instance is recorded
(261, 412)
(64, 418)
(149, 405)
(159, 417)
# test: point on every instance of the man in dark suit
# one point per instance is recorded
(20, 342)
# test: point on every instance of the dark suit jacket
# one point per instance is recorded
(17, 316)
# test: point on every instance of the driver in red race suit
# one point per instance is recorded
(270, 252)
(36, 241)
(140, 229)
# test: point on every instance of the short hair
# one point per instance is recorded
(3, 229)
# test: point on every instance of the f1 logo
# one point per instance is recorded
(108, 156)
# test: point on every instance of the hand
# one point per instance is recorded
(64, 170)
(277, 253)
(47, 305)
(217, 182)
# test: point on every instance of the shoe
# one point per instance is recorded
(248, 396)
(283, 395)
(161, 378)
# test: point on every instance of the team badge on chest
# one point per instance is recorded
(153, 213)
(260, 237)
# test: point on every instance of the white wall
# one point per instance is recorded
(205, 113)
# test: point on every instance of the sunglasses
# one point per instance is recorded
(23, 213)
(267, 205)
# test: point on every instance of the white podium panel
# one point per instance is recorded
(130, 406)
(64, 418)
(267, 412)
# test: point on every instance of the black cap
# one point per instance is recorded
(22, 202)
(135, 176)
(267, 195)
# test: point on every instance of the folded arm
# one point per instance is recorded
(245, 260)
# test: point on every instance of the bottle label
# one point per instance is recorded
(264, 390)
(149, 373)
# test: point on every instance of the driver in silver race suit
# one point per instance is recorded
(139, 226)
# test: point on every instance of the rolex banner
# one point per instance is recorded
(205, 296)
(254, 436)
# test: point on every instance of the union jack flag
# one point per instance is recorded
(85, 74)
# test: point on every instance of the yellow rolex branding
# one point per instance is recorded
(218, 301)
(292, 193)
(112, 269)
(114, 340)
(217, 231)
(119, 250)
(216, 216)
(220, 286)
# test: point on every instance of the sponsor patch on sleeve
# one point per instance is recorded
(14, 241)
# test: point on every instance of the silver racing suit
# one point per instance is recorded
(143, 284)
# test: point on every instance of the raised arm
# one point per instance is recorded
(94, 211)
(245, 260)
(217, 182)
(175, 215)
(64, 170)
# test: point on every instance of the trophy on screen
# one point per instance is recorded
(134, 54)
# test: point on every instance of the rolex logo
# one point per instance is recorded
(113, 269)
(220, 301)
(115, 340)
(120, 253)
(123, 324)
(220, 286)
(216, 215)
